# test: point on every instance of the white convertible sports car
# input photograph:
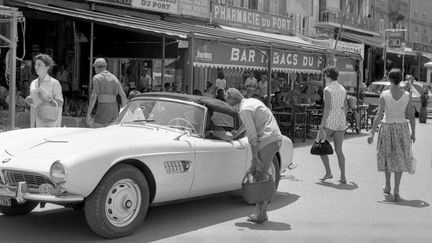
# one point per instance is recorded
(158, 150)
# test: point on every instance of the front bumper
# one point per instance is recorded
(22, 194)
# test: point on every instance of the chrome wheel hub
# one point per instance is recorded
(123, 202)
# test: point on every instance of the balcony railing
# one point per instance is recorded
(351, 20)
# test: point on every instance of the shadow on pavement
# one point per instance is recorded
(269, 225)
(290, 178)
(309, 142)
(162, 222)
(348, 186)
(415, 203)
(195, 215)
(57, 225)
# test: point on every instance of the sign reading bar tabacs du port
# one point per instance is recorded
(249, 19)
(166, 6)
(208, 53)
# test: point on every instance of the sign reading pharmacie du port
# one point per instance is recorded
(249, 19)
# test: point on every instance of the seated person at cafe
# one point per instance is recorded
(320, 100)
(352, 107)
(215, 131)
(277, 100)
(304, 95)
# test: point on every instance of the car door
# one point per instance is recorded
(219, 165)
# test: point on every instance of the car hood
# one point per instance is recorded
(62, 142)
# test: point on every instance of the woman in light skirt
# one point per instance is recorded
(394, 143)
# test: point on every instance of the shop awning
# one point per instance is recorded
(145, 25)
(375, 42)
(293, 41)
(408, 52)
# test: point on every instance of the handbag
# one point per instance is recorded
(321, 147)
(48, 112)
(258, 191)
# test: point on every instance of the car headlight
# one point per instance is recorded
(58, 173)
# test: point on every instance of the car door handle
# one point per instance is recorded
(241, 147)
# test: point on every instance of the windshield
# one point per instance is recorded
(164, 112)
(377, 88)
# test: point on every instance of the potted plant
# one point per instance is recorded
(424, 98)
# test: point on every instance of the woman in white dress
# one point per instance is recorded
(44, 91)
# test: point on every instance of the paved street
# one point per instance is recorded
(305, 210)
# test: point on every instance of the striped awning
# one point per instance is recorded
(257, 68)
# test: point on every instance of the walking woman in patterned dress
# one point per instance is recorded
(394, 139)
(334, 120)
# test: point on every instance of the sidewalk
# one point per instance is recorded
(358, 211)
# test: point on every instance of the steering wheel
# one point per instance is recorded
(175, 122)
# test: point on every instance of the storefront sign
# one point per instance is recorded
(213, 53)
(324, 32)
(341, 45)
(349, 47)
(394, 39)
(249, 19)
(421, 47)
(344, 64)
(196, 8)
(166, 6)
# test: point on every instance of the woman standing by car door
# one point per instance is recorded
(264, 137)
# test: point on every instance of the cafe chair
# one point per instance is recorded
(300, 122)
(293, 123)
(351, 122)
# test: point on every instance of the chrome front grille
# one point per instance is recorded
(33, 180)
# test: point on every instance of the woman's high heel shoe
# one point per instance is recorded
(386, 189)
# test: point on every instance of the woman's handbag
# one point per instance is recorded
(321, 147)
(48, 112)
(255, 192)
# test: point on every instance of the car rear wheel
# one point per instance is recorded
(119, 204)
(274, 170)
(18, 209)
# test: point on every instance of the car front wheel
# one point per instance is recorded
(119, 204)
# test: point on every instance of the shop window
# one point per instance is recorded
(253, 4)
(131, 70)
(282, 7)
